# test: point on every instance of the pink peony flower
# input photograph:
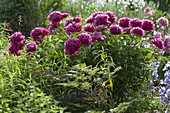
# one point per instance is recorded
(71, 46)
(89, 28)
(39, 33)
(85, 39)
(148, 25)
(137, 31)
(115, 29)
(147, 10)
(167, 44)
(158, 43)
(158, 35)
(163, 22)
(135, 22)
(97, 36)
(31, 47)
(124, 22)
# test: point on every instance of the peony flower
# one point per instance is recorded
(135, 22)
(158, 42)
(73, 27)
(17, 43)
(85, 39)
(158, 35)
(148, 25)
(147, 10)
(39, 33)
(57, 16)
(167, 44)
(16, 38)
(137, 31)
(71, 46)
(89, 28)
(115, 29)
(97, 36)
(13, 50)
(163, 22)
(31, 47)
(101, 20)
(124, 22)
(112, 17)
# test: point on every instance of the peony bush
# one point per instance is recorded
(101, 62)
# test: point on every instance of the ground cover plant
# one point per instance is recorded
(99, 62)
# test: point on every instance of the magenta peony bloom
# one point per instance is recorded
(148, 25)
(89, 28)
(147, 10)
(112, 17)
(57, 16)
(124, 22)
(74, 27)
(163, 22)
(167, 44)
(135, 22)
(16, 38)
(39, 33)
(115, 29)
(137, 31)
(13, 50)
(71, 46)
(101, 19)
(97, 36)
(31, 47)
(158, 42)
(17, 43)
(85, 39)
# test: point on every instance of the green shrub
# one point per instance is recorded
(22, 15)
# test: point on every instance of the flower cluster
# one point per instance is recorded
(165, 90)
(73, 25)
(17, 41)
(155, 72)
(148, 10)
(101, 20)
(162, 44)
